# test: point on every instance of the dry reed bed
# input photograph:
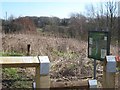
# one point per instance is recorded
(68, 56)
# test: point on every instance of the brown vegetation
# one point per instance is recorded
(68, 56)
(27, 24)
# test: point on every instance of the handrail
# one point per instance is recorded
(41, 63)
(42, 78)
(24, 61)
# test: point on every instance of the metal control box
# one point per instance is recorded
(111, 64)
(44, 65)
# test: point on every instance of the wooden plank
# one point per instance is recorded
(0, 39)
(25, 61)
(104, 75)
(118, 65)
(28, 49)
(70, 85)
(37, 77)
(42, 81)
(108, 77)
(119, 79)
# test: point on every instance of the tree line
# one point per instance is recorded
(100, 17)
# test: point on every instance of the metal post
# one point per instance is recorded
(94, 69)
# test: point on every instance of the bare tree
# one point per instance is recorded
(77, 23)
(111, 9)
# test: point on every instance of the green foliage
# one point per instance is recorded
(10, 26)
(11, 54)
(11, 73)
(21, 84)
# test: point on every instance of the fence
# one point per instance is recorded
(109, 72)
(42, 64)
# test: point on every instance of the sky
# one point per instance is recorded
(58, 8)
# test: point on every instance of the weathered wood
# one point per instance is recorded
(42, 81)
(37, 77)
(110, 80)
(119, 79)
(25, 61)
(28, 49)
(118, 65)
(104, 75)
(70, 85)
(108, 77)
